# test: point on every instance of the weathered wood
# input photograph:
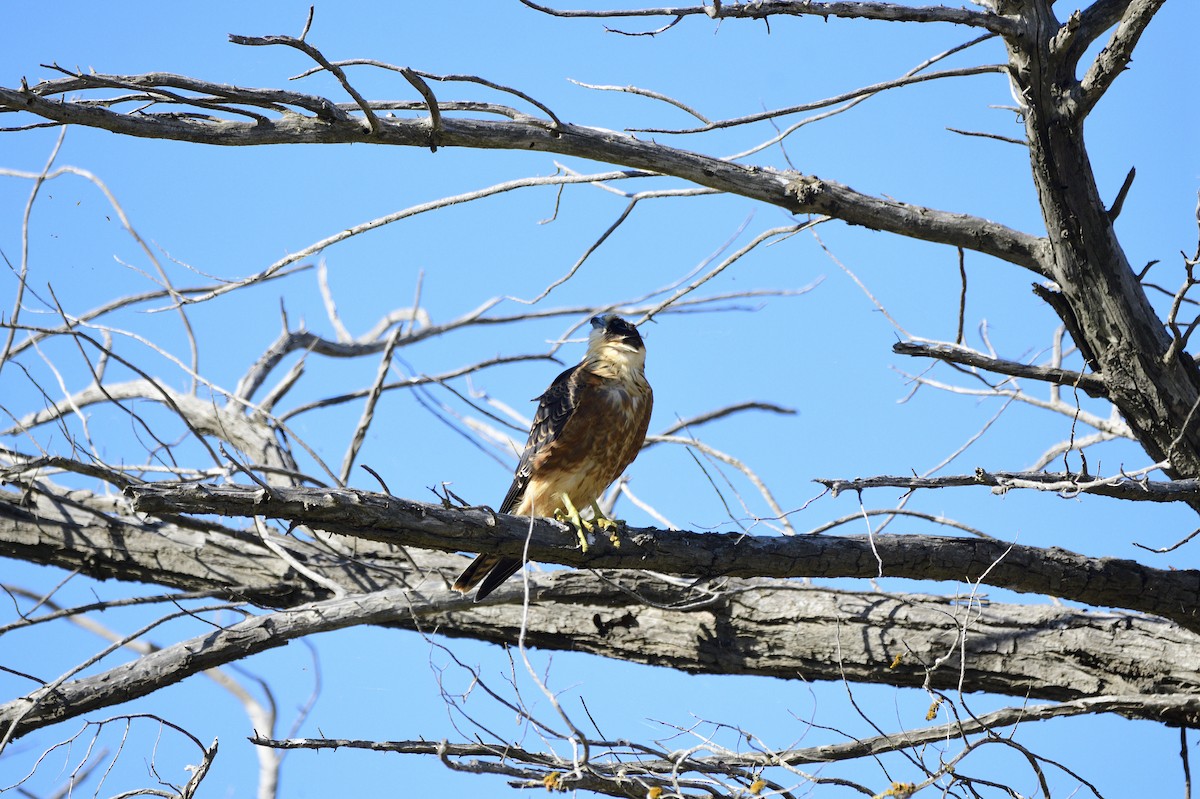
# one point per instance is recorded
(329, 124)
(1157, 395)
(1105, 582)
(773, 627)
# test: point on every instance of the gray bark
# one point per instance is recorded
(1110, 582)
(774, 627)
(1112, 316)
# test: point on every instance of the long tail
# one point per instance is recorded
(492, 570)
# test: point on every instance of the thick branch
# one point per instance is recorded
(1100, 582)
(870, 637)
(817, 196)
(1094, 20)
(96, 536)
(1090, 384)
(1043, 651)
(1116, 55)
(1035, 651)
(797, 194)
(1101, 301)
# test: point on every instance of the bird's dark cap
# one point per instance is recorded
(614, 327)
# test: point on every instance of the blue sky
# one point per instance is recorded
(827, 353)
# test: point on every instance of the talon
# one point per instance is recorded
(612, 526)
(571, 516)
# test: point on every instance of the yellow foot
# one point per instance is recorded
(571, 516)
(611, 526)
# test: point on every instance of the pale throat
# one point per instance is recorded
(616, 362)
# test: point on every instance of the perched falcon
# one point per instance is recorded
(589, 426)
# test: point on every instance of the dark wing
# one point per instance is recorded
(555, 407)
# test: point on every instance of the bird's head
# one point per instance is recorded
(615, 346)
(612, 330)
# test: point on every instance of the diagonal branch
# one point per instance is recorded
(172, 664)
(801, 194)
(817, 196)
(1116, 55)
(859, 93)
(1093, 21)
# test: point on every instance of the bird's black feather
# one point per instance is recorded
(554, 409)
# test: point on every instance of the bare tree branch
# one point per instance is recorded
(1091, 384)
(429, 604)
(761, 9)
(865, 91)
(713, 603)
(121, 546)
(1135, 488)
(1103, 582)
(797, 194)
(1116, 55)
(828, 753)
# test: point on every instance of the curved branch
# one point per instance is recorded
(1035, 651)
(1052, 657)
(728, 410)
(172, 664)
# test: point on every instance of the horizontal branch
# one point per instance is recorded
(1092, 385)
(731, 627)
(1104, 582)
(844, 9)
(827, 753)
(871, 645)
(1069, 485)
(329, 124)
